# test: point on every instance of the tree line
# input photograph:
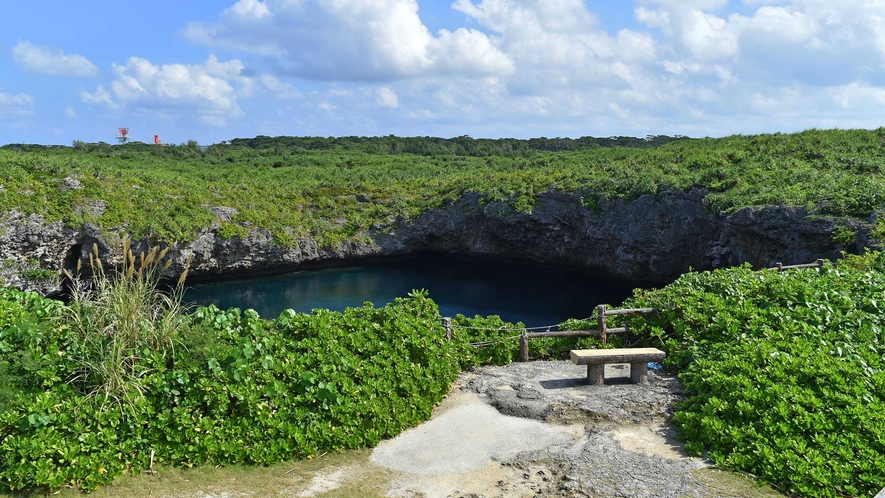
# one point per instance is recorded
(388, 145)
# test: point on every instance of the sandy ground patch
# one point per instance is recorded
(465, 438)
(656, 440)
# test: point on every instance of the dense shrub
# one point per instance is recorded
(492, 341)
(237, 389)
(784, 372)
(784, 376)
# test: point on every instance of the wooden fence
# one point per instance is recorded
(602, 313)
(781, 267)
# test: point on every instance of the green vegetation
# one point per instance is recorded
(92, 390)
(496, 342)
(120, 320)
(337, 189)
(784, 372)
(122, 378)
(236, 389)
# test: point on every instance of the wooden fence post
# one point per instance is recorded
(820, 263)
(447, 323)
(524, 346)
(779, 266)
(600, 320)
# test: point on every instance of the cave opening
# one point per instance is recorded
(534, 294)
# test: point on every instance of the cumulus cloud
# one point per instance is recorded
(210, 90)
(697, 67)
(529, 67)
(387, 98)
(778, 24)
(560, 44)
(709, 37)
(15, 104)
(46, 60)
(855, 96)
(355, 40)
(100, 96)
(802, 39)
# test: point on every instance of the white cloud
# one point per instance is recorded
(381, 40)
(278, 88)
(561, 45)
(709, 37)
(21, 99)
(46, 60)
(99, 96)
(778, 24)
(20, 104)
(248, 10)
(856, 96)
(70, 113)
(526, 67)
(654, 18)
(210, 90)
(387, 98)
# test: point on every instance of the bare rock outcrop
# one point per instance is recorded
(653, 238)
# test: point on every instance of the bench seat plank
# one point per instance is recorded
(624, 355)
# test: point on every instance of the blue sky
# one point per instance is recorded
(211, 71)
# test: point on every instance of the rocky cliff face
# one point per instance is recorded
(652, 238)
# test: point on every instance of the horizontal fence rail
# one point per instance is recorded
(781, 267)
(602, 312)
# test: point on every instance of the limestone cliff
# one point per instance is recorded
(651, 238)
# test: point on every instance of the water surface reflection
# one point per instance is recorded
(532, 294)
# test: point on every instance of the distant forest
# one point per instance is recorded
(390, 145)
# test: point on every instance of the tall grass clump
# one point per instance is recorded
(125, 378)
(123, 321)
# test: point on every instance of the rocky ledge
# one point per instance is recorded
(652, 238)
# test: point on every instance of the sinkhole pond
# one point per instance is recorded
(518, 292)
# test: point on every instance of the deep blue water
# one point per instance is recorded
(532, 294)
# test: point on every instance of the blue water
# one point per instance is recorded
(535, 295)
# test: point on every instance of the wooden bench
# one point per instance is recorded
(596, 359)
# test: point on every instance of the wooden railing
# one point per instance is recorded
(601, 319)
(602, 313)
(781, 267)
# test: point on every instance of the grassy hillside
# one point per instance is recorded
(336, 191)
(783, 371)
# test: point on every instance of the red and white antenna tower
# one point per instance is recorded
(123, 135)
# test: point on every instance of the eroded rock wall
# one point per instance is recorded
(652, 238)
